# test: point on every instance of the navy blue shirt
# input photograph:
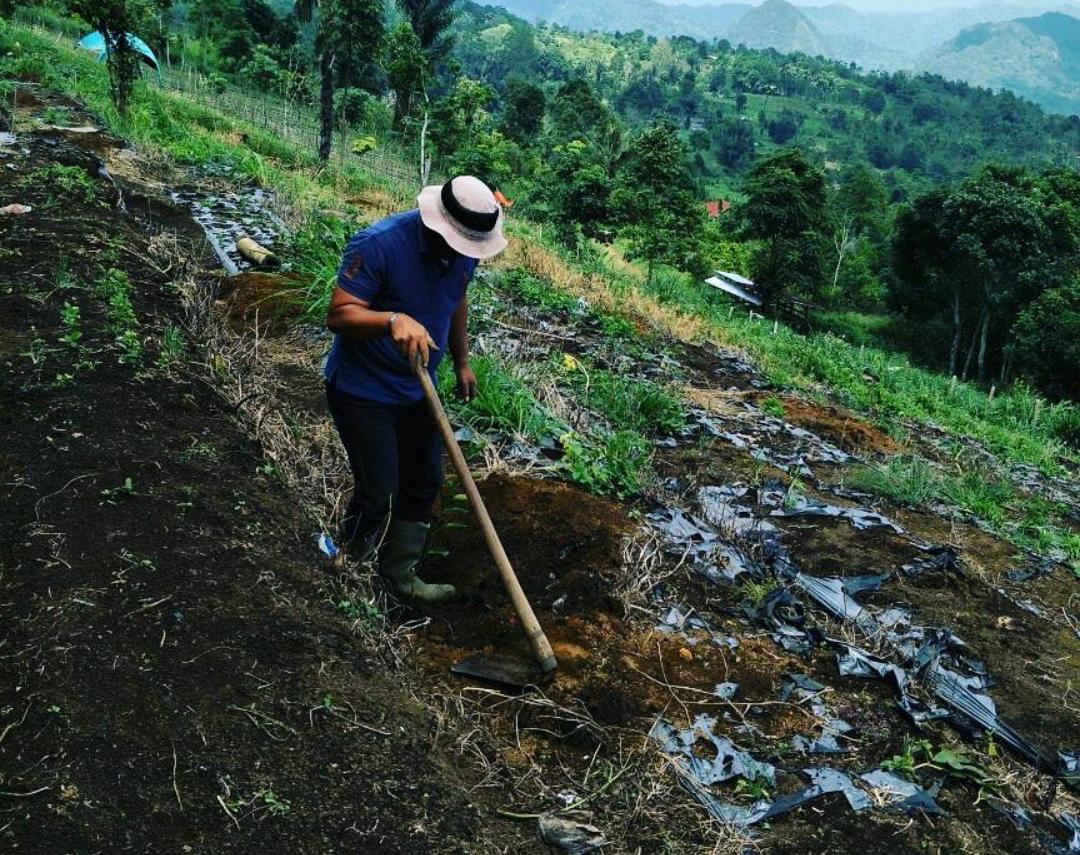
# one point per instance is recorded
(390, 266)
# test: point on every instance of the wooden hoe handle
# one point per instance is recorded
(537, 639)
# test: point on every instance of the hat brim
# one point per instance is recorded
(478, 246)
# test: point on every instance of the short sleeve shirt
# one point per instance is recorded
(390, 267)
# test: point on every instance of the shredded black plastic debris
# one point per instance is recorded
(228, 216)
(861, 519)
(728, 761)
(1038, 568)
(942, 559)
(901, 794)
(718, 504)
(805, 690)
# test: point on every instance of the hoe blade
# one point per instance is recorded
(508, 673)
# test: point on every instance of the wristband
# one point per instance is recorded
(390, 322)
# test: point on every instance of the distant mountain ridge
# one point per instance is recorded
(780, 25)
(1038, 58)
(1032, 49)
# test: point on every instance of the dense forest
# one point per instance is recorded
(910, 211)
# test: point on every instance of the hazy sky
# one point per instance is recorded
(869, 5)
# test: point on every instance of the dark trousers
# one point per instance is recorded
(395, 454)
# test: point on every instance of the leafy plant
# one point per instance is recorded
(757, 789)
(615, 464)
(906, 762)
(72, 182)
(69, 316)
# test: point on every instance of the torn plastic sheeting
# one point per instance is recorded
(786, 462)
(855, 662)
(778, 608)
(326, 545)
(718, 506)
(1037, 569)
(943, 559)
(729, 761)
(726, 691)
(570, 835)
(806, 689)
(956, 692)
(861, 519)
(678, 619)
(823, 781)
(854, 585)
(781, 612)
(903, 795)
(829, 593)
(1073, 827)
(684, 531)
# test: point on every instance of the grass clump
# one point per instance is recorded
(625, 402)
(504, 403)
(618, 464)
(1030, 521)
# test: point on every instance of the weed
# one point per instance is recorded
(274, 803)
(756, 790)
(131, 349)
(773, 406)
(172, 347)
(115, 288)
(631, 403)
(616, 464)
(361, 610)
(906, 762)
(63, 379)
(37, 352)
(69, 317)
(199, 450)
(756, 592)
(503, 403)
(125, 489)
(72, 182)
(58, 116)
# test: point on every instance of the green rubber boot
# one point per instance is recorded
(402, 551)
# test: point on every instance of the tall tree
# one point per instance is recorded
(656, 201)
(407, 69)
(431, 20)
(348, 34)
(114, 19)
(987, 246)
(785, 211)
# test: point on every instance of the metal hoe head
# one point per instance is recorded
(508, 673)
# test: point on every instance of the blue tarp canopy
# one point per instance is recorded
(95, 43)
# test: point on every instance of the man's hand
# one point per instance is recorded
(466, 382)
(411, 338)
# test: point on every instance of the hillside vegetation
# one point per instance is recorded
(805, 552)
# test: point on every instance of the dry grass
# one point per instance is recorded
(545, 264)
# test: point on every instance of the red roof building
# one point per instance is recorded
(717, 207)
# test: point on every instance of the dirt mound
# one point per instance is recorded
(839, 426)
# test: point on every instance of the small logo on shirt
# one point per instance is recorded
(355, 265)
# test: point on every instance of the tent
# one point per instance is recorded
(95, 43)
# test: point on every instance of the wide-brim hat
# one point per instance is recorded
(467, 216)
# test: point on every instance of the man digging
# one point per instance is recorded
(401, 291)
